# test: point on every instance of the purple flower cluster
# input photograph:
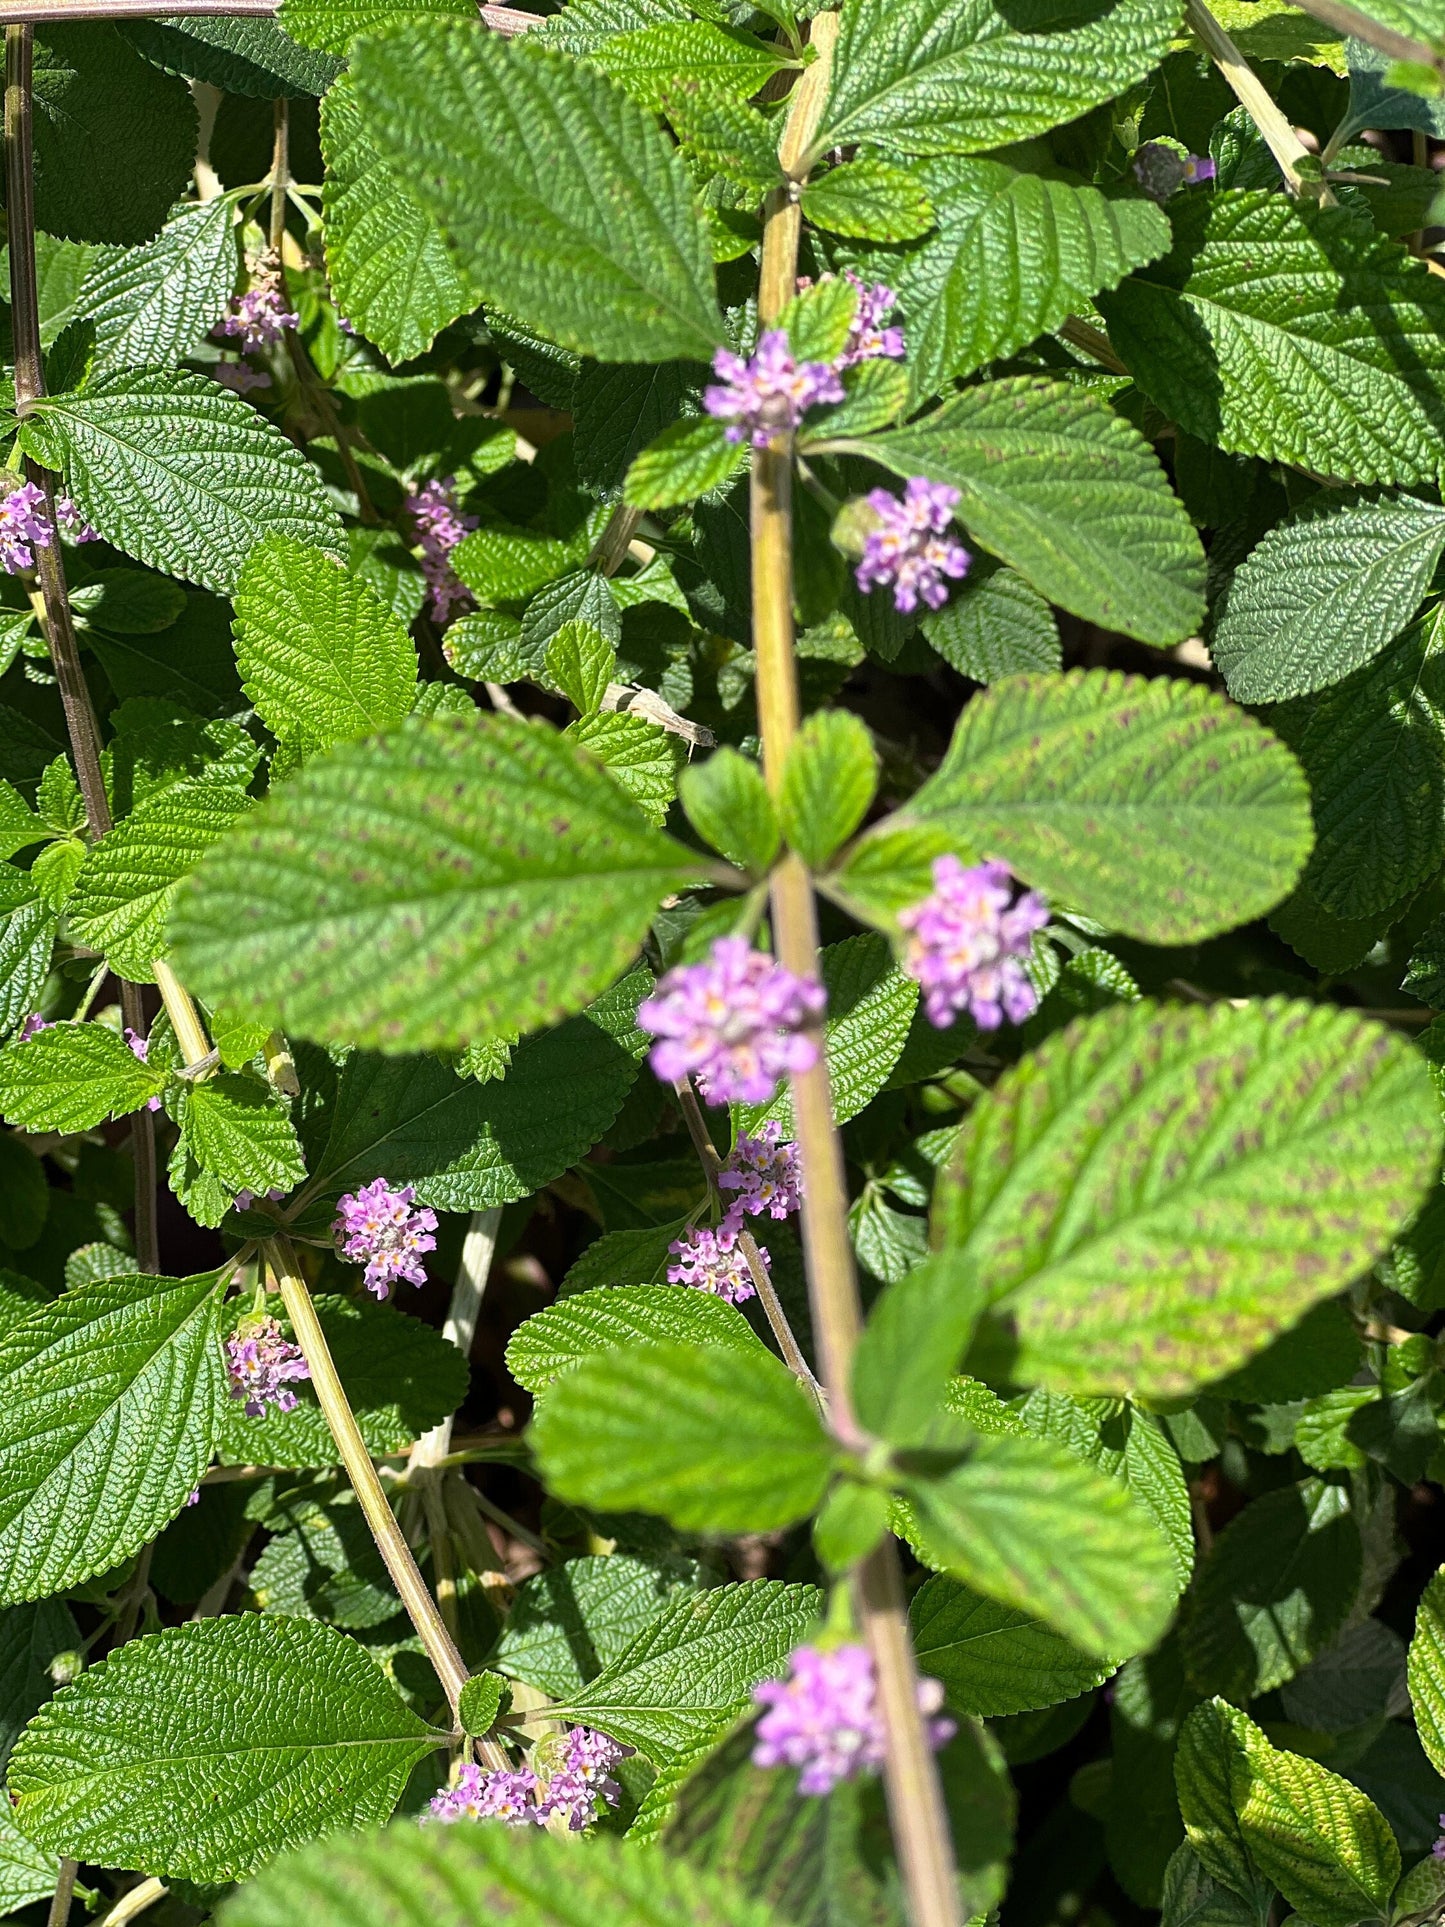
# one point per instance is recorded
(868, 338)
(1162, 170)
(377, 1227)
(76, 528)
(909, 548)
(737, 1023)
(712, 1261)
(245, 1199)
(24, 527)
(576, 1773)
(259, 317)
(239, 378)
(770, 393)
(968, 941)
(764, 1174)
(262, 1365)
(141, 1048)
(439, 527)
(1438, 1850)
(825, 1719)
(33, 1023)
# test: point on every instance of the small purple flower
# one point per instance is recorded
(377, 1226)
(193, 1497)
(967, 943)
(33, 1023)
(825, 1718)
(770, 394)
(73, 522)
(868, 338)
(141, 1048)
(1161, 170)
(24, 527)
(738, 1023)
(262, 1365)
(245, 1199)
(909, 548)
(712, 1261)
(476, 1795)
(259, 317)
(765, 1175)
(440, 526)
(1198, 168)
(240, 378)
(581, 1775)
(1438, 1850)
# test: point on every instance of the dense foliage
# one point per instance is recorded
(722, 884)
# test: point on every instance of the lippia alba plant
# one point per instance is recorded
(722, 778)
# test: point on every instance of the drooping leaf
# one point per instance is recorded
(236, 1135)
(1324, 592)
(70, 1077)
(179, 473)
(151, 305)
(1054, 483)
(106, 1423)
(1284, 329)
(253, 57)
(1121, 1269)
(459, 877)
(201, 1750)
(994, 1659)
(588, 1323)
(1194, 820)
(562, 201)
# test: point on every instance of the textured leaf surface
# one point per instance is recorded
(334, 24)
(1056, 484)
(641, 758)
(254, 57)
(688, 1675)
(553, 1341)
(236, 1135)
(320, 656)
(1279, 328)
(1013, 254)
(562, 199)
(994, 1659)
(201, 1750)
(1324, 592)
(26, 1871)
(1154, 806)
(571, 1621)
(1158, 1191)
(71, 1077)
(647, 60)
(995, 626)
(128, 881)
(457, 878)
(706, 1437)
(1427, 1671)
(387, 262)
(473, 1876)
(151, 305)
(965, 76)
(107, 1399)
(27, 935)
(179, 473)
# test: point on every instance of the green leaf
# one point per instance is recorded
(1324, 592)
(178, 473)
(689, 458)
(401, 1378)
(251, 57)
(870, 1008)
(30, 1638)
(916, 1334)
(869, 200)
(153, 304)
(1427, 1670)
(829, 781)
(647, 61)
(509, 565)
(20, 827)
(71, 1077)
(472, 1876)
(591, 1323)
(1373, 748)
(994, 1659)
(682, 1430)
(724, 134)
(459, 877)
(1322, 1842)
(484, 1696)
(1288, 330)
(727, 803)
(236, 1135)
(1195, 819)
(321, 1561)
(562, 200)
(966, 76)
(1058, 486)
(129, 879)
(581, 662)
(92, 91)
(320, 657)
(27, 936)
(332, 25)
(1211, 1746)
(1158, 1190)
(994, 625)
(107, 1424)
(1031, 1526)
(1014, 254)
(687, 1676)
(388, 265)
(569, 1622)
(202, 1750)
(1275, 1589)
(641, 757)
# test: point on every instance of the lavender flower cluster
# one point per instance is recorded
(968, 941)
(440, 526)
(262, 1365)
(736, 1023)
(25, 526)
(825, 1719)
(763, 1175)
(576, 1773)
(909, 549)
(259, 317)
(385, 1230)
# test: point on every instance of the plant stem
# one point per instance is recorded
(390, 1543)
(80, 723)
(144, 1894)
(280, 171)
(195, 1046)
(64, 1893)
(915, 1800)
(1350, 23)
(1251, 93)
(507, 21)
